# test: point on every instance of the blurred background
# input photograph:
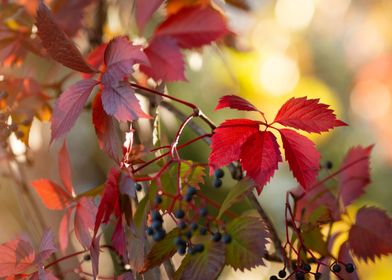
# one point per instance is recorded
(337, 50)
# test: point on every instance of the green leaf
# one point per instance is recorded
(203, 266)
(161, 251)
(192, 174)
(248, 245)
(236, 194)
(314, 240)
(93, 192)
(141, 213)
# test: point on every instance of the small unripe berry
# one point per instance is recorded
(219, 173)
(349, 268)
(336, 268)
(282, 273)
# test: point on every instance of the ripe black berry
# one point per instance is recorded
(273, 277)
(179, 214)
(299, 275)
(86, 258)
(336, 268)
(226, 238)
(191, 190)
(188, 234)
(157, 225)
(217, 183)
(216, 237)
(178, 241)
(203, 231)
(181, 225)
(150, 231)
(156, 216)
(282, 273)
(159, 235)
(317, 276)
(219, 173)
(329, 165)
(306, 267)
(191, 250)
(349, 268)
(203, 212)
(138, 187)
(181, 250)
(158, 199)
(188, 197)
(194, 226)
(198, 248)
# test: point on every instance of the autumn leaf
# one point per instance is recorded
(355, 174)
(235, 102)
(65, 169)
(248, 246)
(57, 43)
(345, 257)
(16, 256)
(370, 236)
(144, 10)
(194, 26)
(166, 60)
(303, 158)
(69, 106)
(64, 229)
(53, 196)
(308, 115)
(85, 212)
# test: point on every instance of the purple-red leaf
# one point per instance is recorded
(64, 229)
(260, 156)
(308, 115)
(65, 169)
(303, 158)
(69, 106)
(57, 43)
(94, 253)
(121, 102)
(194, 26)
(370, 236)
(144, 10)
(107, 130)
(227, 140)
(355, 175)
(84, 221)
(46, 247)
(166, 60)
(16, 256)
(52, 195)
(235, 102)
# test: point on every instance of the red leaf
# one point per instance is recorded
(94, 253)
(95, 58)
(260, 156)
(227, 140)
(16, 256)
(308, 115)
(303, 158)
(52, 195)
(46, 247)
(144, 10)
(235, 102)
(121, 102)
(84, 221)
(64, 230)
(69, 106)
(355, 175)
(57, 43)
(65, 169)
(107, 130)
(166, 60)
(370, 236)
(120, 56)
(345, 257)
(109, 203)
(118, 239)
(194, 26)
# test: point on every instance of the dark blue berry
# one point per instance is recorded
(217, 183)
(191, 190)
(336, 268)
(138, 187)
(282, 273)
(181, 225)
(194, 226)
(299, 275)
(203, 231)
(178, 241)
(159, 235)
(188, 234)
(349, 268)
(306, 267)
(273, 277)
(329, 164)
(179, 214)
(86, 257)
(198, 248)
(219, 173)
(317, 276)
(191, 250)
(156, 216)
(181, 250)
(150, 231)
(216, 237)
(188, 197)
(203, 212)
(158, 199)
(157, 225)
(226, 238)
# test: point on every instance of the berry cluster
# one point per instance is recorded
(218, 175)
(156, 229)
